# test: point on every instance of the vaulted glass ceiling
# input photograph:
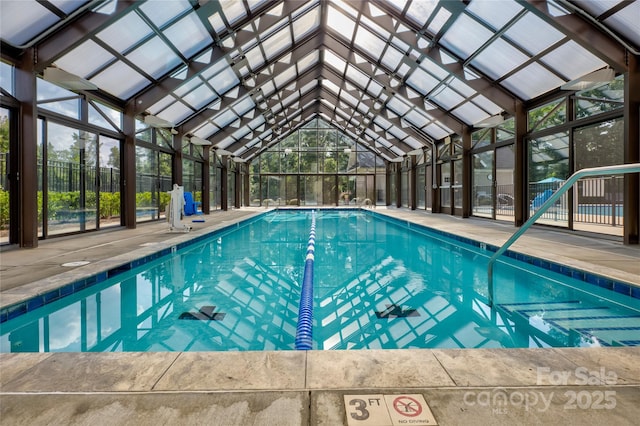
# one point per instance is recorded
(395, 75)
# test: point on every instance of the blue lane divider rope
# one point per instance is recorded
(304, 331)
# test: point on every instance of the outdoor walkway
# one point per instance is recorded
(581, 386)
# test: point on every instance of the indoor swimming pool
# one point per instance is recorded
(378, 282)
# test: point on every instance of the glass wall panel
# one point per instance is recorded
(71, 191)
(329, 191)
(109, 161)
(420, 184)
(482, 185)
(599, 201)
(404, 188)
(548, 169)
(291, 190)
(5, 199)
(153, 181)
(317, 148)
(445, 186)
(311, 187)
(547, 116)
(457, 184)
(254, 190)
(505, 194)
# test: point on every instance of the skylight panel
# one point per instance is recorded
(154, 57)
(207, 130)
(374, 88)
(176, 112)
(200, 97)
(465, 36)
(403, 70)
(125, 32)
(398, 133)
(433, 68)
(391, 58)
(224, 118)
(217, 23)
(416, 118)
(255, 58)
(233, 10)
(581, 62)
(161, 104)
(625, 21)
(240, 133)
(399, 5)
(308, 61)
(282, 78)
(382, 122)
(368, 42)
(291, 99)
(160, 12)
(120, 80)
(447, 98)
(214, 69)
(436, 132)
(495, 13)
(243, 106)
(533, 34)
(188, 35)
(438, 22)
(532, 81)
(340, 23)
(499, 58)
(346, 96)
(268, 88)
(188, 86)
(254, 4)
(470, 113)
(309, 86)
(486, 104)
(357, 76)
(420, 10)
(461, 87)
(598, 7)
(306, 24)
(21, 21)
(338, 63)
(422, 81)
(277, 42)
(256, 122)
(85, 59)
(413, 142)
(224, 81)
(331, 86)
(398, 106)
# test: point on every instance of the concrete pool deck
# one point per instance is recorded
(461, 386)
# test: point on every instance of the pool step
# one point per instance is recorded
(574, 320)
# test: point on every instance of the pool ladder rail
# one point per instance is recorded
(594, 171)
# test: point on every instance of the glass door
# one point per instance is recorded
(71, 180)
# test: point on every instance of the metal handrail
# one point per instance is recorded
(594, 171)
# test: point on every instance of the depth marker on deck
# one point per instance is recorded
(387, 410)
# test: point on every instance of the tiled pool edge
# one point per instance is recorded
(31, 302)
(619, 286)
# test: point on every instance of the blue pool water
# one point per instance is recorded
(377, 284)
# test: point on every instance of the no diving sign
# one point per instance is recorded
(387, 410)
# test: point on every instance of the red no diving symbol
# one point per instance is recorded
(407, 406)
